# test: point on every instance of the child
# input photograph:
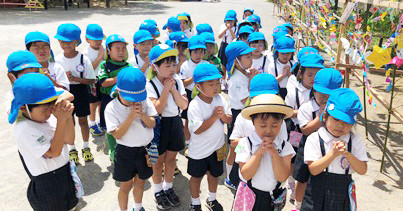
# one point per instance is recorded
(227, 33)
(260, 62)
(197, 48)
(95, 52)
(255, 21)
(281, 66)
(41, 134)
(333, 153)
(244, 33)
(142, 42)
(152, 27)
(290, 28)
(208, 112)
(173, 25)
(181, 43)
(130, 120)
(186, 24)
(38, 43)
(278, 32)
(108, 71)
(204, 27)
(292, 80)
(80, 72)
(169, 96)
(211, 51)
(326, 80)
(264, 158)
(248, 12)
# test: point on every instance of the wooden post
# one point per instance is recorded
(347, 73)
(365, 106)
(340, 47)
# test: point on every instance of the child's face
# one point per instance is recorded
(197, 55)
(210, 48)
(94, 44)
(246, 14)
(184, 25)
(259, 45)
(68, 47)
(210, 88)
(255, 27)
(144, 47)
(39, 113)
(167, 69)
(308, 78)
(231, 23)
(246, 60)
(337, 127)
(321, 98)
(267, 128)
(284, 57)
(126, 102)
(181, 46)
(41, 51)
(118, 51)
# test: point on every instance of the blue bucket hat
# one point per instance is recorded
(131, 84)
(185, 17)
(68, 32)
(142, 36)
(204, 27)
(36, 37)
(256, 36)
(114, 38)
(344, 104)
(20, 60)
(263, 83)
(208, 37)
(94, 32)
(327, 80)
(254, 19)
(178, 37)
(196, 42)
(285, 44)
(235, 49)
(206, 72)
(289, 25)
(170, 43)
(306, 50)
(279, 34)
(312, 60)
(249, 9)
(161, 51)
(230, 16)
(33, 88)
(246, 29)
(151, 26)
(174, 24)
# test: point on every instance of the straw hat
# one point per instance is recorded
(267, 103)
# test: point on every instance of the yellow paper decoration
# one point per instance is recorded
(368, 28)
(399, 41)
(380, 57)
(383, 16)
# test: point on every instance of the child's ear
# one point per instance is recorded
(11, 77)
(23, 108)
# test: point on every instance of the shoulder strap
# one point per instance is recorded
(297, 97)
(82, 64)
(349, 146)
(322, 148)
(313, 114)
(264, 63)
(137, 61)
(275, 68)
(155, 88)
(177, 88)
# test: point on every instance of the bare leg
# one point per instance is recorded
(123, 195)
(138, 189)
(157, 169)
(85, 130)
(170, 163)
(194, 185)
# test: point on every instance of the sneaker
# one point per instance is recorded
(195, 208)
(162, 201)
(87, 154)
(229, 184)
(172, 197)
(95, 130)
(214, 205)
(74, 156)
(142, 209)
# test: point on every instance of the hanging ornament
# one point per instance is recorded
(380, 56)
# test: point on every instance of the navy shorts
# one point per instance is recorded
(199, 168)
(81, 99)
(184, 114)
(172, 137)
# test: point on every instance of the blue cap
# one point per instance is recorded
(256, 36)
(306, 50)
(151, 26)
(289, 25)
(196, 42)
(344, 104)
(235, 49)
(206, 72)
(33, 88)
(208, 37)
(141, 36)
(114, 38)
(68, 32)
(178, 37)
(174, 24)
(246, 29)
(285, 44)
(263, 83)
(279, 34)
(20, 60)
(254, 19)
(249, 9)
(279, 29)
(312, 60)
(161, 51)
(94, 32)
(327, 80)
(131, 84)
(36, 37)
(170, 43)
(230, 16)
(204, 27)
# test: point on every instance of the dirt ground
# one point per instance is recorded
(375, 190)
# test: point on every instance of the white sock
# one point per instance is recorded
(167, 185)
(196, 201)
(157, 187)
(298, 205)
(211, 196)
(92, 123)
(228, 167)
(71, 147)
(137, 206)
(123, 210)
(85, 144)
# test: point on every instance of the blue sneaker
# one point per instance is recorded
(96, 131)
(229, 184)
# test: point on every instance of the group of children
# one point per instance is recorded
(295, 121)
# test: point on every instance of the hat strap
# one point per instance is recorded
(29, 113)
(130, 92)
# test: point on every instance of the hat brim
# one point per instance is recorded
(90, 37)
(256, 93)
(144, 39)
(313, 65)
(165, 27)
(134, 97)
(246, 51)
(229, 19)
(341, 116)
(322, 90)
(209, 78)
(197, 47)
(183, 18)
(50, 99)
(290, 50)
(37, 40)
(173, 52)
(267, 108)
(25, 66)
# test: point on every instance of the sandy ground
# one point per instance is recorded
(375, 190)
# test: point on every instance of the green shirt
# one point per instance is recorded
(109, 69)
(216, 62)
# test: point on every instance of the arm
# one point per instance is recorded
(109, 82)
(66, 96)
(358, 166)
(83, 80)
(206, 124)
(149, 121)
(187, 81)
(161, 103)
(144, 67)
(181, 100)
(233, 35)
(70, 133)
(120, 131)
(317, 167)
(222, 33)
(226, 119)
(312, 126)
(248, 169)
(281, 166)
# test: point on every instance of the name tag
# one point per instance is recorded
(41, 140)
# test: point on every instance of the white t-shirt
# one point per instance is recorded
(280, 66)
(303, 96)
(305, 112)
(189, 33)
(138, 62)
(312, 150)
(75, 67)
(264, 178)
(171, 108)
(33, 140)
(227, 38)
(204, 144)
(138, 133)
(187, 69)
(258, 64)
(92, 54)
(58, 74)
(238, 89)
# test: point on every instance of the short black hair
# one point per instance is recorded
(190, 51)
(31, 106)
(243, 36)
(266, 115)
(167, 60)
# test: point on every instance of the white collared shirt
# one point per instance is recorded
(58, 74)
(305, 112)
(204, 144)
(312, 150)
(187, 69)
(238, 89)
(227, 38)
(92, 54)
(258, 64)
(75, 67)
(280, 67)
(291, 98)
(138, 62)
(264, 178)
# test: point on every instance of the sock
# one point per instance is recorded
(196, 201)
(137, 206)
(71, 147)
(167, 185)
(298, 205)
(92, 123)
(228, 167)
(123, 210)
(211, 196)
(85, 144)
(157, 187)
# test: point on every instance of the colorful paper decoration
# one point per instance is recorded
(380, 56)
